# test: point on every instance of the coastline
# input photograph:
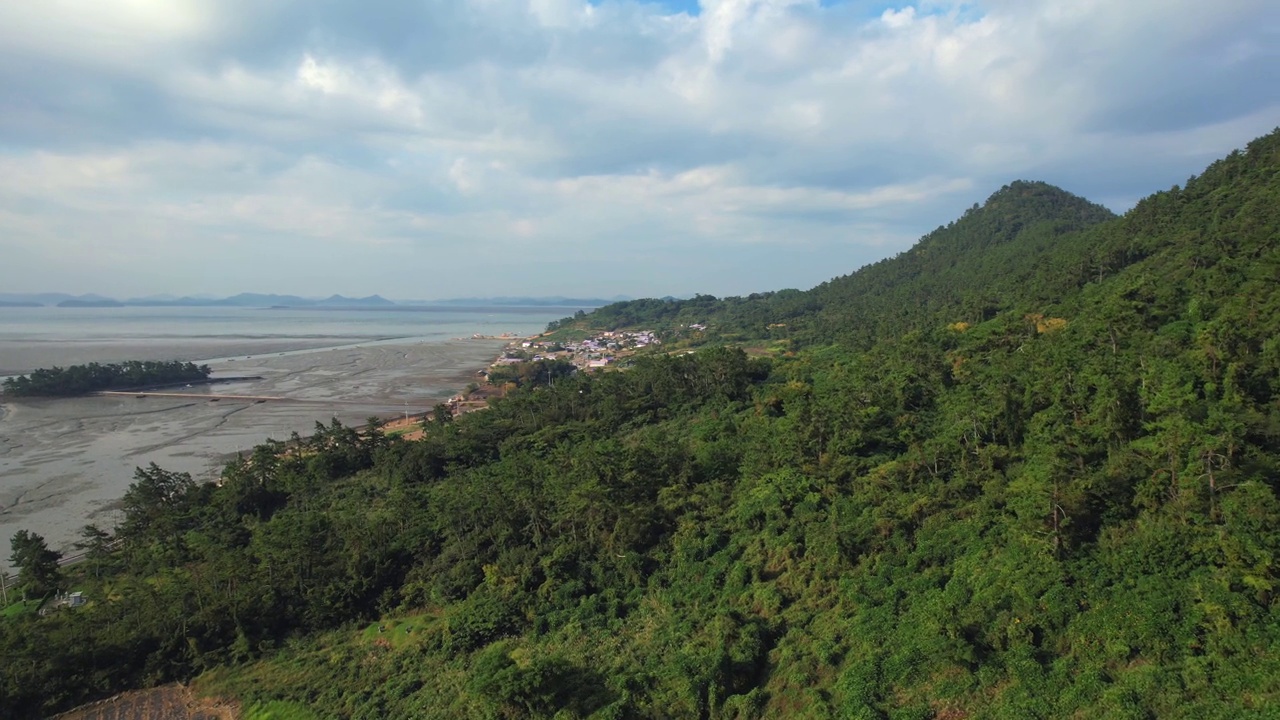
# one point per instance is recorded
(66, 462)
(24, 356)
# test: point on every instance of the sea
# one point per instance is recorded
(65, 463)
(49, 336)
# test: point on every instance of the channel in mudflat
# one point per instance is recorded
(66, 462)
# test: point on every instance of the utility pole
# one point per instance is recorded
(4, 590)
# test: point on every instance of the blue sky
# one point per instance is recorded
(685, 6)
(692, 7)
(437, 148)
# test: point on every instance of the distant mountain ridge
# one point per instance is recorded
(83, 303)
(261, 300)
(41, 299)
(264, 300)
(552, 301)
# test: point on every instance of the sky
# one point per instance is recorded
(452, 148)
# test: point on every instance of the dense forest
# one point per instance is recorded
(1020, 248)
(1027, 469)
(95, 377)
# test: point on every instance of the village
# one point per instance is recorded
(598, 351)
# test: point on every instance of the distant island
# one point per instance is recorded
(261, 300)
(522, 301)
(96, 377)
(78, 303)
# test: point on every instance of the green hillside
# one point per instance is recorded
(1028, 469)
(1022, 244)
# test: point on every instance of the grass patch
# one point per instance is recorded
(569, 334)
(279, 710)
(18, 609)
(399, 632)
(334, 673)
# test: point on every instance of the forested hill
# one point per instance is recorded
(986, 262)
(972, 268)
(1052, 493)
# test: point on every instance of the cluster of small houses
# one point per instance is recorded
(597, 351)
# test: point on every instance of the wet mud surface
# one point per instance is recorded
(65, 463)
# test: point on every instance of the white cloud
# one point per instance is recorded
(898, 18)
(818, 135)
(119, 34)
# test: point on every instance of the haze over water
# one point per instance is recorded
(47, 336)
(65, 462)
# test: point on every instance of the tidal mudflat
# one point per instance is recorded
(65, 463)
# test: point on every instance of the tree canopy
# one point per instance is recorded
(94, 377)
(38, 572)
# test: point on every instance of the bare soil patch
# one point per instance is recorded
(168, 702)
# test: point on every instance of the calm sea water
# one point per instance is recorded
(49, 323)
(46, 336)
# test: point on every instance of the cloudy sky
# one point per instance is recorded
(442, 148)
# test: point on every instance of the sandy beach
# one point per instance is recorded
(64, 463)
